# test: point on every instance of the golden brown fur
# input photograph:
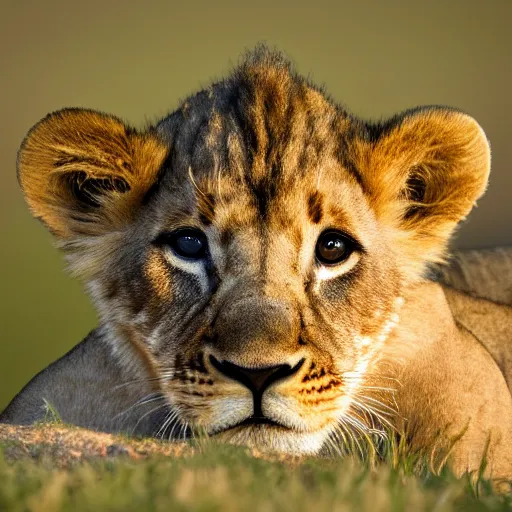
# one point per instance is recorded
(259, 341)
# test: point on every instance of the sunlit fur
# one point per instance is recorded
(263, 163)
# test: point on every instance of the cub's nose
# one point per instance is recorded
(256, 379)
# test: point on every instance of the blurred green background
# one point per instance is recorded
(137, 59)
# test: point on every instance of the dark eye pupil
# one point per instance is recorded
(187, 243)
(188, 246)
(332, 248)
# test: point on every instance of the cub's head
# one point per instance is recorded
(251, 250)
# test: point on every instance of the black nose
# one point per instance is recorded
(256, 379)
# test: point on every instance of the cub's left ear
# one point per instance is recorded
(423, 174)
(86, 173)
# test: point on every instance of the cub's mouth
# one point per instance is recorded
(291, 407)
(256, 381)
(253, 421)
(267, 435)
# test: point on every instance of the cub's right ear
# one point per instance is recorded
(86, 173)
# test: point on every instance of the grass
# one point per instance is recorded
(50, 413)
(221, 477)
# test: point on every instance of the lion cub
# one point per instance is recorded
(258, 263)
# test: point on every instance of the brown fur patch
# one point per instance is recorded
(157, 273)
(315, 208)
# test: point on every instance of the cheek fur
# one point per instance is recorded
(156, 273)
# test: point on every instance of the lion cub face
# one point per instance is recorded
(263, 322)
(252, 248)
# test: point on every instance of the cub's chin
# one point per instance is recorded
(273, 438)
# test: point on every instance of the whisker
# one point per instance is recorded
(171, 416)
(176, 423)
(333, 446)
(372, 412)
(378, 388)
(153, 397)
(146, 414)
(365, 455)
(340, 444)
(166, 373)
(378, 403)
(352, 437)
(183, 432)
(164, 422)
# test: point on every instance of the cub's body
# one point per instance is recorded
(258, 263)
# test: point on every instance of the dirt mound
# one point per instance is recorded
(66, 445)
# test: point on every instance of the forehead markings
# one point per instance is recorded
(274, 128)
(315, 207)
(340, 218)
(205, 202)
(265, 109)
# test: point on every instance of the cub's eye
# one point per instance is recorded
(186, 242)
(333, 247)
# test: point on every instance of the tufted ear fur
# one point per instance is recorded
(86, 173)
(423, 173)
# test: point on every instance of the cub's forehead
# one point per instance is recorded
(262, 137)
